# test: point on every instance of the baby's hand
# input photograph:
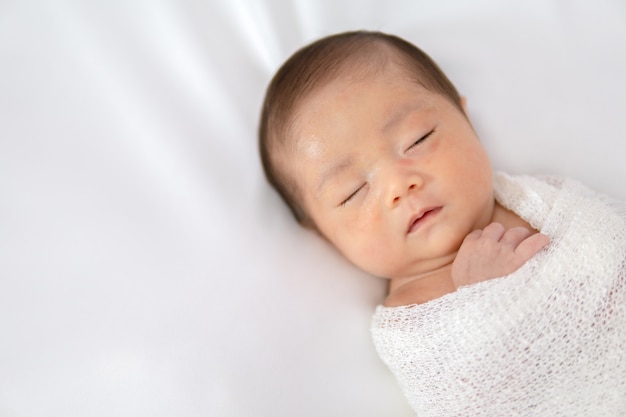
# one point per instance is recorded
(494, 252)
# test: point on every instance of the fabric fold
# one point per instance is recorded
(549, 339)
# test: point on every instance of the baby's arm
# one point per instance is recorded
(494, 252)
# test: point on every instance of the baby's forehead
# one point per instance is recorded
(369, 93)
(346, 108)
(299, 137)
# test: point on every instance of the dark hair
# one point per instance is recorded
(315, 65)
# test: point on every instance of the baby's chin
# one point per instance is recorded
(440, 259)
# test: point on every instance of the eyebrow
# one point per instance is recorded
(399, 114)
(333, 170)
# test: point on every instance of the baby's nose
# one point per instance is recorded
(401, 186)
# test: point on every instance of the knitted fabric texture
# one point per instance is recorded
(547, 340)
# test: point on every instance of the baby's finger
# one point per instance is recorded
(515, 236)
(474, 235)
(531, 245)
(493, 231)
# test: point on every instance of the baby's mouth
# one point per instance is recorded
(416, 221)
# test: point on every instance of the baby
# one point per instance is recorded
(371, 146)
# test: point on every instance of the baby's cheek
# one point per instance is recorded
(376, 253)
(373, 259)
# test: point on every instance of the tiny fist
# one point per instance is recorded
(494, 252)
(494, 231)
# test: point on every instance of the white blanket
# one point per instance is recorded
(547, 340)
(147, 268)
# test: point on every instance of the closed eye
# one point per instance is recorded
(420, 140)
(351, 196)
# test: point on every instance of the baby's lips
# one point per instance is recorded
(417, 218)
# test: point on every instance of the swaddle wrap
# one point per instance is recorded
(547, 340)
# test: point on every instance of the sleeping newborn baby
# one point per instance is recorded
(506, 294)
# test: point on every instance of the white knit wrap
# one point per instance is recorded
(547, 340)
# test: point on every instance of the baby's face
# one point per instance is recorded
(392, 174)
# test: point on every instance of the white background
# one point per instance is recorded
(146, 268)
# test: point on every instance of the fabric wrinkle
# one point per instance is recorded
(549, 339)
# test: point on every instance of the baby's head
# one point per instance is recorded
(349, 55)
(368, 143)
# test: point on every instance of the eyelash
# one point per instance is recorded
(420, 140)
(417, 142)
(344, 202)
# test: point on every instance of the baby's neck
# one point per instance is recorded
(508, 219)
(438, 282)
(427, 287)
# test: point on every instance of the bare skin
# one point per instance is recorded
(493, 252)
(395, 177)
